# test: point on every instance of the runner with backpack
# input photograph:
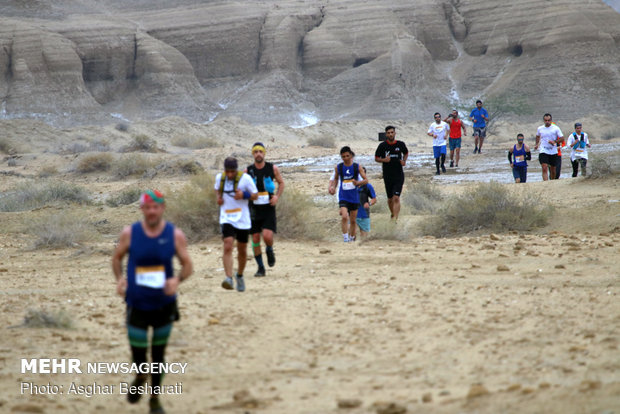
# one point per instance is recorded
(579, 144)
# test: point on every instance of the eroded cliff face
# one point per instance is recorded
(290, 61)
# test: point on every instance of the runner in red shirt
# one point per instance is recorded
(456, 125)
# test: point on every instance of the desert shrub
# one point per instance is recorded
(610, 134)
(142, 143)
(61, 230)
(188, 167)
(325, 141)
(382, 228)
(186, 141)
(298, 216)
(122, 126)
(488, 206)
(95, 163)
(193, 208)
(12, 162)
(7, 146)
(601, 167)
(127, 196)
(79, 147)
(48, 171)
(48, 319)
(32, 195)
(133, 164)
(422, 197)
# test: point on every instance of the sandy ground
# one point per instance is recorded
(483, 323)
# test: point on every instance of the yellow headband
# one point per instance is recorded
(258, 148)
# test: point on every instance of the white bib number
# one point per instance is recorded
(233, 214)
(348, 185)
(263, 199)
(152, 277)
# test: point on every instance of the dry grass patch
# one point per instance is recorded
(422, 197)
(132, 164)
(326, 141)
(48, 171)
(603, 167)
(489, 206)
(193, 208)
(192, 142)
(382, 228)
(59, 230)
(125, 197)
(41, 318)
(27, 196)
(95, 163)
(142, 143)
(298, 216)
(7, 146)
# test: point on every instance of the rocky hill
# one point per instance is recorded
(76, 61)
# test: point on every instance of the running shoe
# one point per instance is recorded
(451, 164)
(475, 150)
(437, 173)
(443, 168)
(228, 283)
(240, 283)
(134, 397)
(260, 272)
(271, 257)
(155, 406)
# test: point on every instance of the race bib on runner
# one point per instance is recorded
(233, 214)
(151, 276)
(348, 185)
(263, 198)
(519, 158)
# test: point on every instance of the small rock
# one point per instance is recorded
(589, 385)
(544, 385)
(427, 398)
(214, 321)
(494, 237)
(3, 270)
(444, 393)
(488, 247)
(477, 390)
(560, 266)
(349, 403)
(390, 408)
(324, 251)
(503, 268)
(27, 408)
(513, 387)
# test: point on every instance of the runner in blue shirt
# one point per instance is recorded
(368, 198)
(479, 116)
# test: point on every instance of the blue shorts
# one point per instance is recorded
(520, 172)
(437, 151)
(364, 224)
(454, 143)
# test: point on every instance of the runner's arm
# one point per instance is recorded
(528, 153)
(332, 182)
(464, 129)
(117, 260)
(279, 180)
(537, 142)
(364, 179)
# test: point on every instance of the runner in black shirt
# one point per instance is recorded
(393, 156)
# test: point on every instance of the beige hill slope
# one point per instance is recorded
(272, 61)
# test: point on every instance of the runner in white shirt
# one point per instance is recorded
(579, 143)
(235, 222)
(547, 138)
(439, 131)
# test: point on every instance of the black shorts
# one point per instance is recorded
(228, 230)
(549, 159)
(350, 206)
(393, 187)
(481, 132)
(156, 318)
(263, 218)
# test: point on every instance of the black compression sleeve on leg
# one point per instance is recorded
(157, 353)
(443, 159)
(437, 163)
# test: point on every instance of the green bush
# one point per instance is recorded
(489, 206)
(32, 195)
(95, 163)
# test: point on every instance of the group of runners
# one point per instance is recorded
(247, 201)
